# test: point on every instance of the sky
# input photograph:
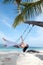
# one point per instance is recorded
(8, 13)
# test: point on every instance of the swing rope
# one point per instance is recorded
(24, 33)
(28, 33)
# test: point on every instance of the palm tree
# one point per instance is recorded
(26, 9)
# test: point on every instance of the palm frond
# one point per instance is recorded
(34, 8)
(5, 1)
(17, 20)
(8, 1)
(18, 1)
(31, 8)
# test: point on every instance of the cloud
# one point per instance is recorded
(6, 23)
(1, 36)
(37, 40)
(39, 18)
(5, 20)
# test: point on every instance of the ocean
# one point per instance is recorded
(7, 49)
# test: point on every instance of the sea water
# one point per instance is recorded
(7, 49)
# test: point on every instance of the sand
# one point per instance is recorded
(17, 58)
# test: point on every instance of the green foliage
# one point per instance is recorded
(17, 20)
(18, 1)
(6, 1)
(28, 9)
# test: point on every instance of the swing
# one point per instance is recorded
(10, 43)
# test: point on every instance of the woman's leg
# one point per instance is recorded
(25, 48)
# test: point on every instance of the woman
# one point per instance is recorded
(22, 45)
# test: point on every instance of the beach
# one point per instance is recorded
(20, 58)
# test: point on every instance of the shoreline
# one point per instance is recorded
(20, 58)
